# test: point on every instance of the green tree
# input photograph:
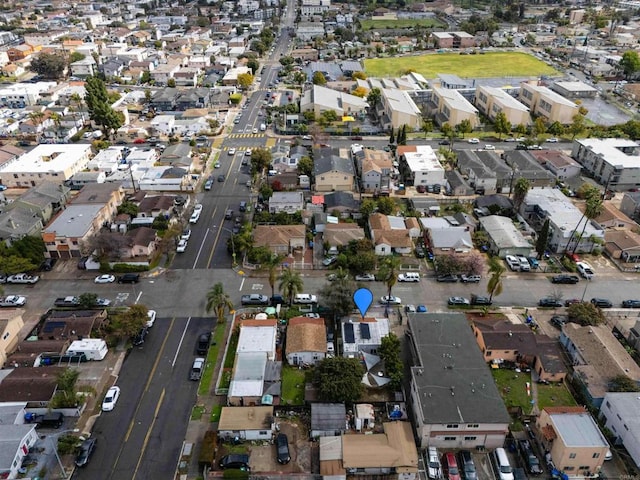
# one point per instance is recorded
(374, 97)
(219, 301)
(389, 352)
(49, 65)
(392, 136)
(402, 135)
(630, 63)
(76, 57)
(367, 207)
(340, 379)
(520, 129)
(388, 272)
(305, 166)
(502, 125)
(363, 262)
(260, 160)
(464, 127)
(426, 127)
(585, 313)
(542, 241)
(577, 126)
(87, 300)
(291, 284)
(386, 205)
(496, 270)
(99, 106)
(593, 209)
(539, 127)
(593, 201)
(129, 208)
(556, 128)
(448, 131)
(171, 83)
(319, 79)
(129, 322)
(245, 80)
(30, 247)
(273, 265)
(66, 394)
(338, 295)
(520, 190)
(623, 383)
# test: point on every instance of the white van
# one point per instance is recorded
(305, 298)
(501, 462)
(409, 277)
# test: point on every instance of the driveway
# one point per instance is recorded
(263, 457)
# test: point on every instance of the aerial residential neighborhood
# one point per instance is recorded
(320, 240)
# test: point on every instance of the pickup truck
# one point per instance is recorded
(23, 278)
(66, 302)
(48, 420)
(196, 369)
(13, 301)
(254, 299)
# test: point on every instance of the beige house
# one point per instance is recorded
(491, 101)
(449, 106)
(399, 109)
(281, 239)
(572, 437)
(623, 245)
(333, 170)
(545, 103)
(306, 341)
(10, 325)
(322, 99)
(247, 423)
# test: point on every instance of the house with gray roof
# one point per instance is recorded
(320, 99)
(504, 238)
(332, 172)
(455, 401)
(44, 199)
(446, 234)
(481, 177)
(18, 223)
(176, 155)
(526, 166)
(621, 414)
(16, 442)
(328, 419)
(288, 202)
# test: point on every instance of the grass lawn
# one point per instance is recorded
(293, 381)
(511, 386)
(215, 413)
(401, 23)
(554, 395)
(197, 412)
(212, 355)
(493, 64)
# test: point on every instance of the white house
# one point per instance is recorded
(620, 412)
(363, 335)
(420, 165)
(306, 341)
(289, 202)
(163, 124)
(14, 446)
(247, 423)
(614, 162)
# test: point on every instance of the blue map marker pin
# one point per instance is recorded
(363, 298)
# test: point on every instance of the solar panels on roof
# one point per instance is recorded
(365, 333)
(349, 336)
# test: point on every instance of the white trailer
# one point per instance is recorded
(93, 348)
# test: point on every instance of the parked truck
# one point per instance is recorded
(46, 420)
(70, 301)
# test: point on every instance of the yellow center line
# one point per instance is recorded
(146, 437)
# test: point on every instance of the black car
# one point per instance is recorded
(129, 278)
(420, 252)
(237, 461)
(466, 465)
(221, 178)
(565, 279)
(447, 278)
(631, 304)
(549, 302)
(282, 449)
(531, 462)
(140, 337)
(480, 300)
(278, 300)
(203, 343)
(444, 142)
(519, 474)
(601, 302)
(48, 264)
(84, 451)
(558, 321)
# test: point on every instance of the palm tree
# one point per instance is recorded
(219, 301)
(37, 118)
(389, 268)
(520, 190)
(589, 194)
(290, 284)
(593, 209)
(75, 99)
(496, 269)
(273, 265)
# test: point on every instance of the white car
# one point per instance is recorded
(216, 165)
(474, 140)
(105, 279)
(231, 151)
(585, 270)
(312, 315)
(110, 399)
(513, 262)
(186, 235)
(489, 147)
(365, 277)
(182, 246)
(434, 468)
(13, 301)
(197, 208)
(247, 152)
(255, 130)
(152, 318)
(552, 140)
(23, 278)
(390, 299)
(103, 302)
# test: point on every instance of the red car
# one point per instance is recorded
(450, 466)
(138, 141)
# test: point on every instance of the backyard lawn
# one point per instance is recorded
(401, 23)
(293, 380)
(512, 387)
(491, 64)
(212, 355)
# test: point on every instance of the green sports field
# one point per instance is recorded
(494, 64)
(370, 24)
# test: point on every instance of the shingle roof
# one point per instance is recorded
(306, 335)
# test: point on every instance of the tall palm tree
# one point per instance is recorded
(219, 301)
(273, 265)
(593, 209)
(520, 190)
(389, 268)
(290, 283)
(588, 194)
(496, 269)
(37, 118)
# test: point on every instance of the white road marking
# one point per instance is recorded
(184, 332)
(200, 249)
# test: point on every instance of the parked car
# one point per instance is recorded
(391, 300)
(601, 302)
(110, 399)
(254, 299)
(365, 277)
(105, 279)
(558, 321)
(84, 452)
(129, 278)
(466, 465)
(565, 279)
(237, 461)
(420, 253)
(585, 270)
(489, 147)
(13, 301)
(151, 318)
(480, 300)
(470, 278)
(458, 301)
(571, 301)
(434, 468)
(421, 309)
(186, 235)
(282, 449)
(450, 466)
(631, 304)
(473, 140)
(549, 302)
(329, 261)
(529, 458)
(447, 278)
(203, 343)
(182, 246)
(513, 262)
(410, 309)
(23, 278)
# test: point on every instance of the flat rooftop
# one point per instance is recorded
(48, 158)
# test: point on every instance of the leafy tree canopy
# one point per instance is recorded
(340, 379)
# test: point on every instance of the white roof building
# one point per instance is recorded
(621, 413)
(75, 221)
(248, 375)
(363, 336)
(52, 162)
(258, 339)
(423, 165)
